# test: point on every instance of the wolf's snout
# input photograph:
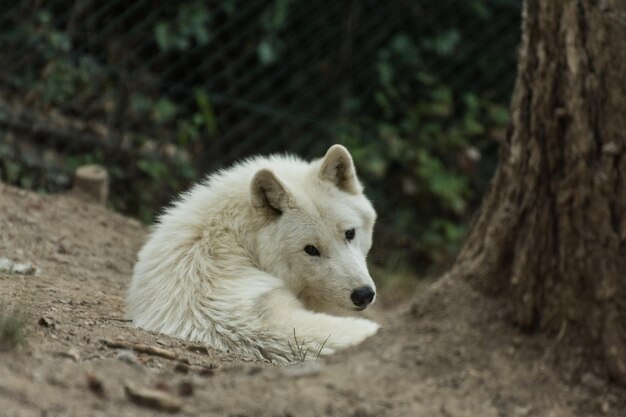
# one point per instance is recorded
(362, 297)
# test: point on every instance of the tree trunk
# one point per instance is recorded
(551, 234)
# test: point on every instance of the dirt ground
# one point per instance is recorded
(448, 353)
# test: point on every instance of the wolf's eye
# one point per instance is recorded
(311, 250)
(350, 234)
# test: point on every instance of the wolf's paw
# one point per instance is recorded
(352, 332)
(363, 328)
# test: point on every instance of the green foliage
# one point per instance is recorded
(273, 21)
(190, 25)
(175, 90)
(54, 77)
(419, 158)
(12, 327)
(205, 117)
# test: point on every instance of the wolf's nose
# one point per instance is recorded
(363, 296)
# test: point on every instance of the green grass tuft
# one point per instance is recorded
(12, 327)
(300, 349)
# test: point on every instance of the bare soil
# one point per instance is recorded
(447, 353)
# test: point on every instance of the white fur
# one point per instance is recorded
(226, 265)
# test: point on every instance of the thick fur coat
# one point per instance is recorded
(253, 259)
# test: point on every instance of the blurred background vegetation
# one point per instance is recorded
(163, 92)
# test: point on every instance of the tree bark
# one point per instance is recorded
(551, 234)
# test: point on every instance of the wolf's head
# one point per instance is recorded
(317, 229)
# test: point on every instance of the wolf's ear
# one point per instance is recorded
(338, 168)
(269, 193)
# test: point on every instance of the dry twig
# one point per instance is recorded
(153, 399)
(141, 348)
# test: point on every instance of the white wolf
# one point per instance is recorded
(252, 260)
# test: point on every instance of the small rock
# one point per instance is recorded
(185, 389)
(207, 372)
(6, 265)
(24, 269)
(95, 385)
(152, 399)
(61, 248)
(129, 357)
(302, 370)
(69, 354)
(46, 322)
(181, 368)
(11, 267)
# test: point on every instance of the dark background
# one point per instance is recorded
(163, 92)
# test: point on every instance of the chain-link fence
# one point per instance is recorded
(163, 91)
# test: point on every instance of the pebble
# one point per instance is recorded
(152, 399)
(9, 266)
(6, 265)
(185, 389)
(46, 322)
(95, 385)
(69, 354)
(129, 357)
(181, 368)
